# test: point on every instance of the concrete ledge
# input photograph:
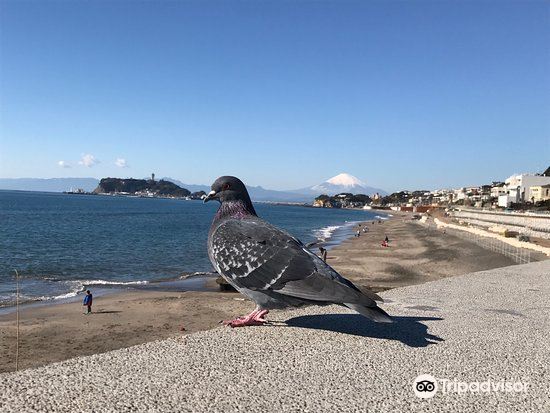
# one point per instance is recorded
(492, 325)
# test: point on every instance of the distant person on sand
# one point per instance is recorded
(358, 233)
(387, 239)
(323, 252)
(88, 301)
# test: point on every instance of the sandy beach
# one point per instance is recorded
(416, 254)
(57, 332)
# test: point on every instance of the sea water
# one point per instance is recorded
(62, 244)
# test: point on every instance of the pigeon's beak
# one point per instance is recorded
(211, 195)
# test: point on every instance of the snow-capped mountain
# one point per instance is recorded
(342, 183)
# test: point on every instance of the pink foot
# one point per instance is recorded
(255, 318)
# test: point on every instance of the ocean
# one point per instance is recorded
(62, 244)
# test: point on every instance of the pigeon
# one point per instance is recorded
(270, 266)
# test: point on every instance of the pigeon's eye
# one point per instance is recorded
(226, 186)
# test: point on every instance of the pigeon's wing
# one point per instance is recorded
(257, 256)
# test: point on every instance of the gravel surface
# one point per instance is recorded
(492, 325)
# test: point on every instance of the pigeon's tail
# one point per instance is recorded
(374, 313)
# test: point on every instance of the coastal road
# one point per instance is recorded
(484, 337)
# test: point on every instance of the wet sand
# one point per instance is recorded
(57, 332)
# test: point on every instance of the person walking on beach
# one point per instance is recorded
(387, 239)
(88, 301)
(323, 252)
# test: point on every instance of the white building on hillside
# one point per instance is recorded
(518, 188)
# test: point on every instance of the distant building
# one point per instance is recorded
(498, 189)
(540, 193)
(441, 196)
(518, 188)
(459, 194)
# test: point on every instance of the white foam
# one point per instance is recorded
(9, 299)
(104, 282)
(325, 233)
(196, 274)
(55, 297)
(76, 286)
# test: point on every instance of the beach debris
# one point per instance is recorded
(270, 266)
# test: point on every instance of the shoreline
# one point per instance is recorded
(203, 283)
(55, 332)
(186, 281)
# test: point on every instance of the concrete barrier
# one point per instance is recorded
(533, 225)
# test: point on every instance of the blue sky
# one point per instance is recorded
(283, 94)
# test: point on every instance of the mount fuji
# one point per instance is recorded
(341, 183)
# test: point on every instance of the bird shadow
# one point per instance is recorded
(408, 330)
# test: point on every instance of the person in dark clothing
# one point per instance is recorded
(88, 301)
(323, 252)
(387, 239)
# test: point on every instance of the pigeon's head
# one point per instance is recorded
(228, 188)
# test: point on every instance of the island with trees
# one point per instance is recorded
(142, 187)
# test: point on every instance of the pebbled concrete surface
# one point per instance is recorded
(492, 325)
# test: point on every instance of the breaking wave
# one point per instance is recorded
(74, 287)
(105, 282)
(325, 233)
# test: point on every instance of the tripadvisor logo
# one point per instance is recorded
(426, 386)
